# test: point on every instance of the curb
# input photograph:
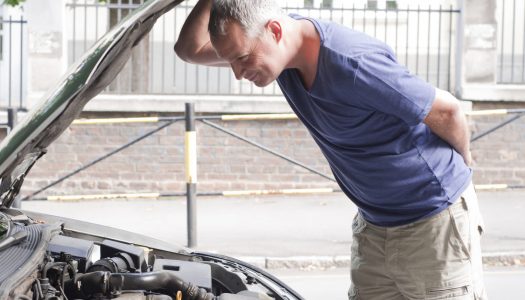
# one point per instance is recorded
(504, 259)
(343, 261)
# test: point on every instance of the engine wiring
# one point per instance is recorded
(37, 289)
(63, 268)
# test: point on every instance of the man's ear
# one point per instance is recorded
(275, 29)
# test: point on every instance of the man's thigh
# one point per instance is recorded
(436, 258)
(368, 270)
(440, 258)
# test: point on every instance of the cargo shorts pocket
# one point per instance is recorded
(458, 291)
(358, 227)
(472, 206)
(468, 226)
(352, 293)
(461, 225)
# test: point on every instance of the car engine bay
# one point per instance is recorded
(44, 261)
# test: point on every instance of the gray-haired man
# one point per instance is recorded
(398, 147)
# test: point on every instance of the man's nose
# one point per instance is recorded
(237, 70)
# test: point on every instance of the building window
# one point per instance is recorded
(391, 5)
(135, 76)
(120, 9)
(1, 39)
(308, 3)
(326, 4)
(382, 4)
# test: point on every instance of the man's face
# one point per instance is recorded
(255, 59)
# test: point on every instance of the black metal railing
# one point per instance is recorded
(191, 157)
(423, 37)
(511, 42)
(13, 51)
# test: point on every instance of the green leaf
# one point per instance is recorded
(13, 2)
(19, 2)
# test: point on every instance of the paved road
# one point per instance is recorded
(291, 226)
(274, 225)
(501, 284)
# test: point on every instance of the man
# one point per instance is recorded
(398, 147)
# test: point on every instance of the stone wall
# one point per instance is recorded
(156, 164)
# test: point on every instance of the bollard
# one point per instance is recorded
(190, 161)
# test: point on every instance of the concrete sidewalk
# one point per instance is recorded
(282, 231)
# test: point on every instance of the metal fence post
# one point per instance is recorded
(190, 160)
(21, 61)
(10, 58)
(458, 89)
(12, 118)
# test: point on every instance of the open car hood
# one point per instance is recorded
(64, 102)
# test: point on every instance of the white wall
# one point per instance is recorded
(10, 90)
(55, 20)
(511, 39)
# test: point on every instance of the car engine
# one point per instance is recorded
(39, 261)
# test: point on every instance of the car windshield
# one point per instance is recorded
(4, 226)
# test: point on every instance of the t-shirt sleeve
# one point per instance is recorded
(384, 85)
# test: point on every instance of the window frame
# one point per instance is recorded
(308, 3)
(1, 38)
(388, 4)
(327, 4)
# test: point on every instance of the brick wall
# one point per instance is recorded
(156, 164)
(500, 156)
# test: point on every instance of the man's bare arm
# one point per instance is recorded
(447, 120)
(193, 44)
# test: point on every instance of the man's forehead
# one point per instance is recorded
(232, 44)
(226, 47)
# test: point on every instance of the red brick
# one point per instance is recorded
(103, 185)
(225, 162)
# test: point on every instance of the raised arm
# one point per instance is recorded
(193, 44)
(447, 120)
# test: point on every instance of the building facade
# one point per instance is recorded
(474, 49)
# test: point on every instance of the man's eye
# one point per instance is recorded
(243, 58)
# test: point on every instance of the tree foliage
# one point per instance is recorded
(18, 2)
(13, 2)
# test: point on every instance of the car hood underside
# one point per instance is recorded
(63, 103)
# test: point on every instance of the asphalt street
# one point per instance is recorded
(277, 227)
(274, 226)
(501, 283)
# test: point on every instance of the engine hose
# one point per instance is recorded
(108, 284)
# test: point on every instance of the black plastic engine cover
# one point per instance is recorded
(110, 248)
(80, 250)
(196, 273)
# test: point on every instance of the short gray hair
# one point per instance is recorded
(252, 15)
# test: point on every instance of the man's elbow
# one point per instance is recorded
(446, 110)
(451, 107)
(182, 51)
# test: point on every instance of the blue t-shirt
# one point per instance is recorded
(366, 112)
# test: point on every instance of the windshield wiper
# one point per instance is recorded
(13, 240)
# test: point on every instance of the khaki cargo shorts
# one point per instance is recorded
(434, 258)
